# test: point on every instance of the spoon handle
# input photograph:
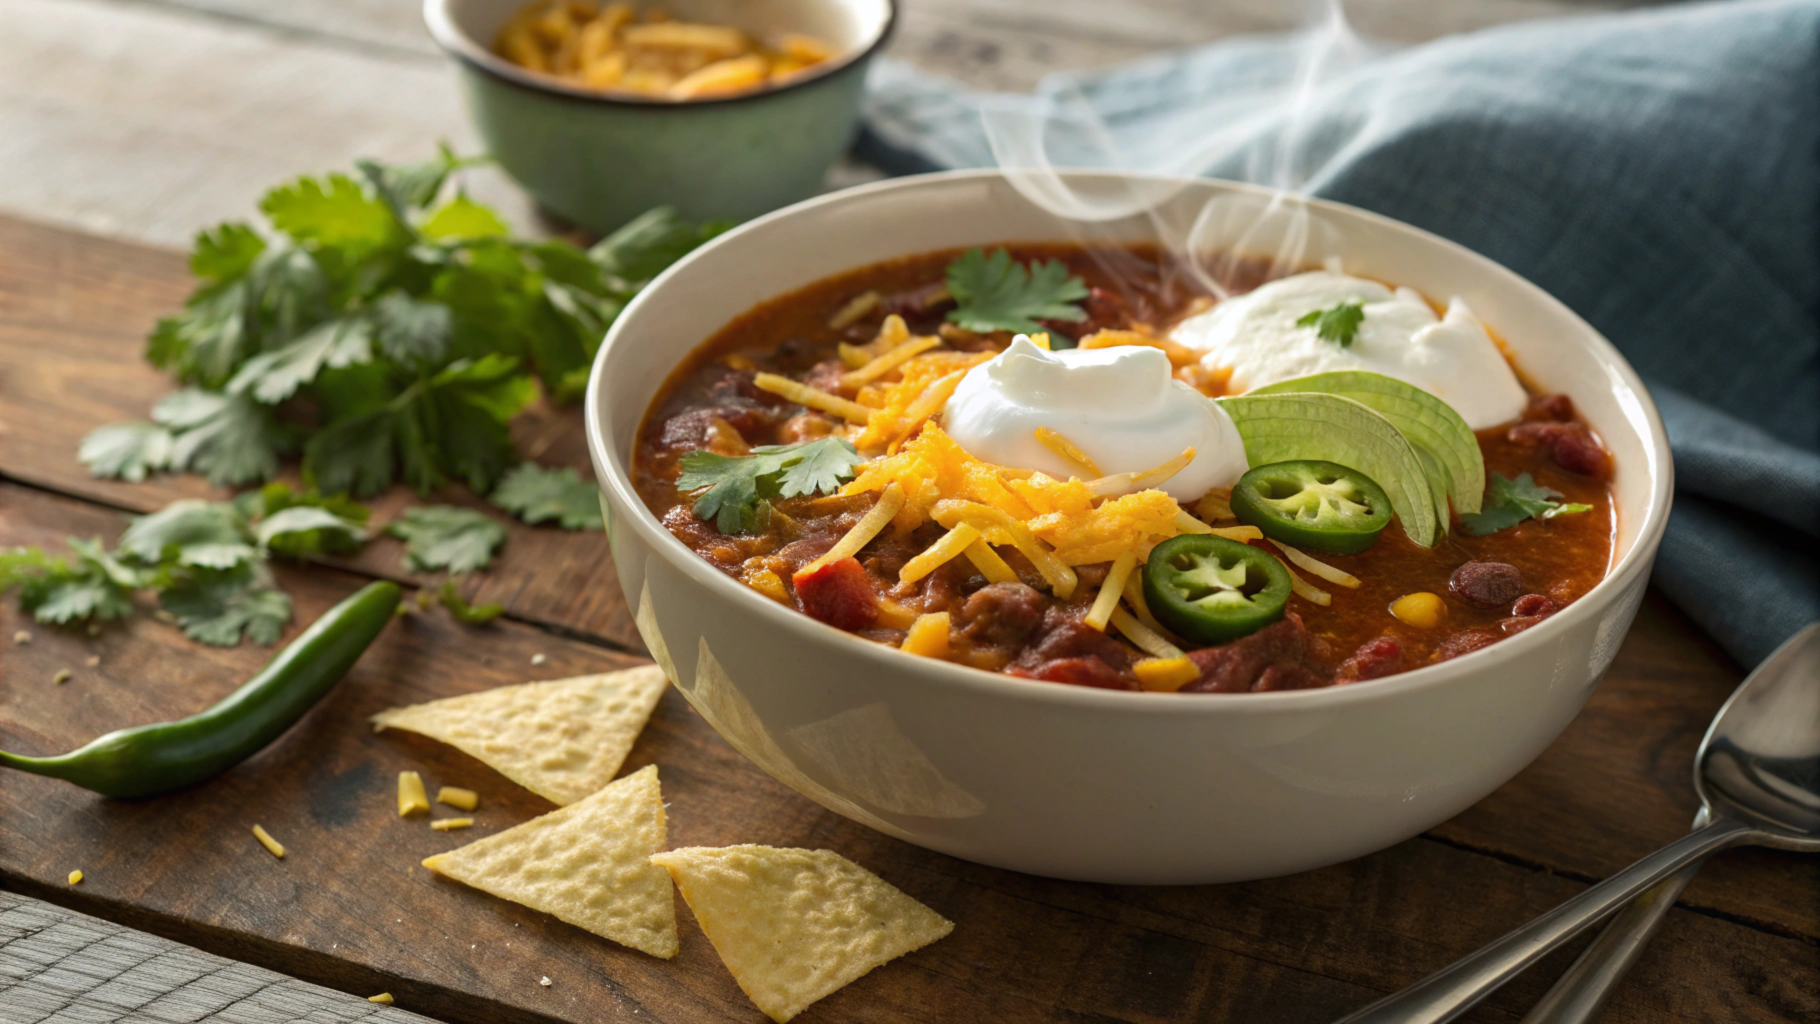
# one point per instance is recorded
(1451, 991)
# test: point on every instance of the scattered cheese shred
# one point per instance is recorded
(383, 999)
(1126, 483)
(767, 582)
(889, 361)
(1060, 577)
(445, 824)
(1317, 567)
(950, 546)
(1134, 596)
(1041, 340)
(988, 562)
(892, 333)
(1306, 590)
(1166, 675)
(1189, 524)
(814, 398)
(1178, 353)
(1055, 442)
(856, 307)
(266, 840)
(1146, 639)
(1111, 590)
(929, 635)
(870, 525)
(411, 796)
(892, 615)
(1215, 504)
(75, 876)
(456, 797)
(1101, 534)
(1237, 532)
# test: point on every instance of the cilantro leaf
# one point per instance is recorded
(469, 614)
(226, 252)
(231, 438)
(736, 488)
(649, 243)
(218, 607)
(412, 333)
(271, 377)
(55, 590)
(538, 494)
(446, 537)
(332, 213)
(354, 455)
(995, 293)
(462, 217)
(203, 534)
(412, 186)
(304, 530)
(1509, 502)
(1340, 324)
(126, 451)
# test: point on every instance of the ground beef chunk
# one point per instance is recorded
(1534, 604)
(838, 593)
(1571, 445)
(806, 427)
(1092, 658)
(1544, 408)
(1002, 615)
(914, 303)
(1487, 584)
(1466, 642)
(1374, 659)
(1281, 656)
(826, 375)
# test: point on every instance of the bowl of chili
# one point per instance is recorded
(1098, 784)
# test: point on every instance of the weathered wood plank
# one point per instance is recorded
(349, 909)
(74, 312)
(61, 967)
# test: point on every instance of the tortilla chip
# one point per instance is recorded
(795, 925)
(561, 740)
(587, 864)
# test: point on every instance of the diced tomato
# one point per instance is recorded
(839, 593)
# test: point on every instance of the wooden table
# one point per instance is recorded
(110, 144)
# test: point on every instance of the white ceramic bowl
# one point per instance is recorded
(1092, 784)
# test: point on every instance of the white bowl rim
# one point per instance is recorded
(465, 49)
(937, 672)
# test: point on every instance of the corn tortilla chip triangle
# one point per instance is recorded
(587, 864)
(561, 740)
(795, 925)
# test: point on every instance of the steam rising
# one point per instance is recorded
(1271, 133)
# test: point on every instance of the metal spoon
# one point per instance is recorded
(1758, 777)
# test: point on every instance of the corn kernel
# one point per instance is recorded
(266, 840)
(767, 583)
(455, 796)
(75, 876)
(1166, 674)
(383, 999)
(411, 797)
(445, 824)
(928, 636)
(1422, 609)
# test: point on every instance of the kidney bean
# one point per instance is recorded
(839, 593)
(1487, 584)
(1571, 446)
(1518, 623)
(1558, 408)
(1465, 642)
(1374, 659)
(1530, 605)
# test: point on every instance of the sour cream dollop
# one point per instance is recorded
(1120, 406)
(1452, 357)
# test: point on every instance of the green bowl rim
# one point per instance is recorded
(510, 74)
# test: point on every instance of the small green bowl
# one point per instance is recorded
(599, 160)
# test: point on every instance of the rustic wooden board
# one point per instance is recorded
(348, 908)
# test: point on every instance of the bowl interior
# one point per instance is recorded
(1551, 346)
(852, 26)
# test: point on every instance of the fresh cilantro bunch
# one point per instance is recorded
(996, 293)
(1340, 324)
(381, 330)
(1509, 502)
(205, 561)
(739, 488)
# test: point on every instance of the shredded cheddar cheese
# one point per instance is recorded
(814, 398)
(275, 847)
(870, 525)
(1103, 533)
(456, 797)
(1126, 483)
(950, 546)
(412, 799)
(1055, 571)
(1178, 353)
(445, 824)
(892, 333)
(1146, 639)
(1306, 590)
(1318, 567)
(1166, 675)
(889, 361)
(988, 562)
(1067, 449)
(1111, 590)
(856, 307)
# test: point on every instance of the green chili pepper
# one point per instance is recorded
(1321, 506)
(150, 759)
(1212, 590)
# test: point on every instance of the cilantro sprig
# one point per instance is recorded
(1509, 502)
(1338, 324)
(381, 330)
(996, 293)
(736, 489)
(538, 494)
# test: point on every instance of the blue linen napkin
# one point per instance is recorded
(1657, 171)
